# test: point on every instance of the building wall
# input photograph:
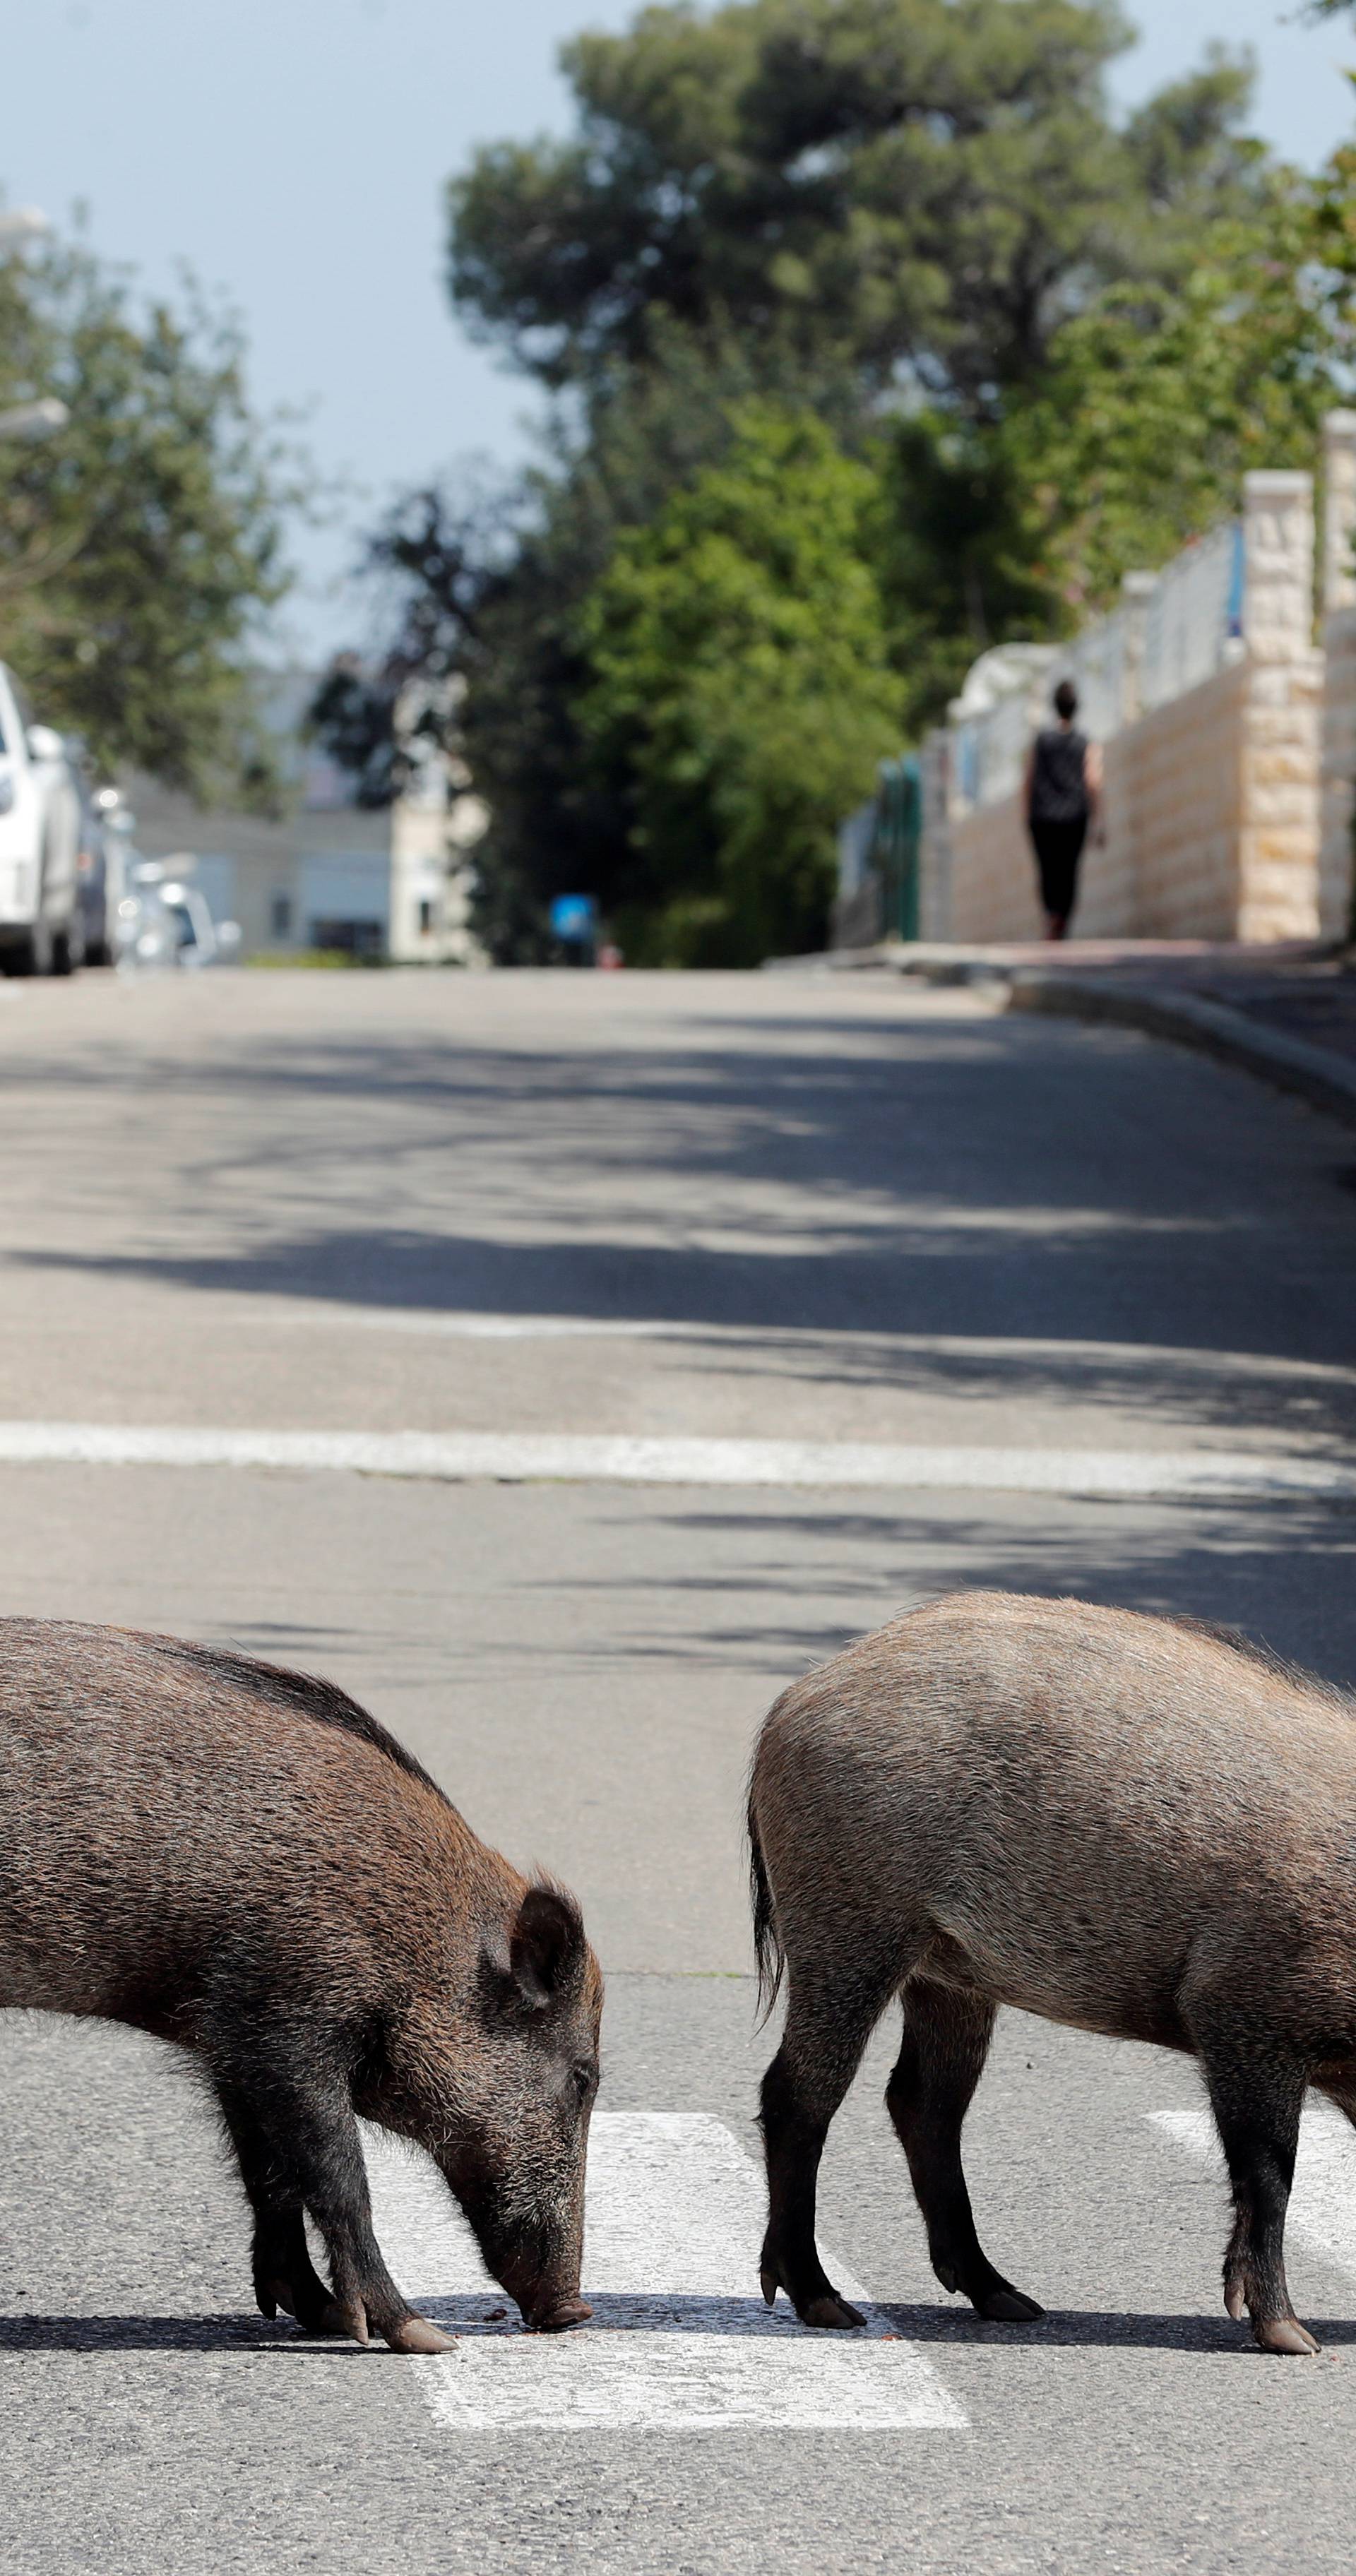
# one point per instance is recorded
(274, 878)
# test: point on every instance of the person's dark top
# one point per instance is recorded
(1059, 791)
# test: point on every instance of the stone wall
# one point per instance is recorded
(1174, 806)
(1168, 867)
(1212, 807)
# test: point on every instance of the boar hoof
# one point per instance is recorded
(1008, 2307)
(415, 2334)
(830, 2311)
(1283, 2334)
(571, 2312)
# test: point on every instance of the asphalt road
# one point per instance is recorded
(744, 1210)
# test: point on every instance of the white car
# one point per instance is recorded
(40, 924)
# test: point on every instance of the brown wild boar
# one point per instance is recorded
(1135, 1826)
(241, 1860)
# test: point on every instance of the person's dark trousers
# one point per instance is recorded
(1058, 848)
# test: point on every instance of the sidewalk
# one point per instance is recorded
(1285, 1013)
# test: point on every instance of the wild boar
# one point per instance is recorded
(1135, 1826)
(239, 1859)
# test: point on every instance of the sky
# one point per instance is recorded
(294, 154)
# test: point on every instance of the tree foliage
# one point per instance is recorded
(139, 545)
(1040, 348)
(930, 183)
(1158, 400)
(740, 694)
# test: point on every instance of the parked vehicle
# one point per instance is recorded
(41, 928)
(105, 825)
(164, 920)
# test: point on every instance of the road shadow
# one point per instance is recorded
(855, 1177)
(1102, 2329)
(476, 2317)
(121, 2334)
(1280, 1572)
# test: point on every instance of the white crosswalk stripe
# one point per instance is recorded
(680, 2335)
(1323, 2200)
(529, 1457)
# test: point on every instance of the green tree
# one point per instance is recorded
(490, 587)
(1158, 399)
(139, 547)
(924, 184)
(896, 215)
(740, 694)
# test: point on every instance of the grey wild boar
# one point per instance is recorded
(240, 1860)
(1130, 1825)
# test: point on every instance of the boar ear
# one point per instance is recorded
(546, 1945)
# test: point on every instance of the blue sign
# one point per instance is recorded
(574, 916)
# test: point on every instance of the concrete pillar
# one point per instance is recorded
(1278, 890)
(1338, 586)
(432, 830)
(1278, 550)
(434, 825)
(1338, 601)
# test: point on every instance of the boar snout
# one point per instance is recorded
(518, 2166)
(548, 2305)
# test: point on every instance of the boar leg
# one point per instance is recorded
(946, 2040)
(1257, 2101)
(821, 2050)
(306, 2116)
(284, 2275)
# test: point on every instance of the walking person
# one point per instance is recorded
(1062, 798)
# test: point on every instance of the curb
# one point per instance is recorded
(1312, 1073)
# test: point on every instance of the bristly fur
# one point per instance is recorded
(240, 1860)
(1256, 1651)
(305, 1693)
(1134, 1826)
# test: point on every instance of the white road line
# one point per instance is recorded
(680, 2334)
(512, 1457)
(1323, 2201)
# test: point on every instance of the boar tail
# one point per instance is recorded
(767, 1947)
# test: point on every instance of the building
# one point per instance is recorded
(328, 876)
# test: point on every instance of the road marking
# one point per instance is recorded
(680, 2335)
(511, 1457)
(1323, 2200)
